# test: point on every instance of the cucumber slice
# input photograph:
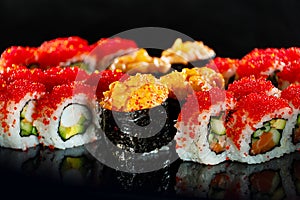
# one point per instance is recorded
(26, 126)
(276, 135)
(258, 133)
(210, 137)
(278, 123)
(217, 126)
(298, 120)
(23, 112)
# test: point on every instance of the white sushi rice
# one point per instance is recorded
(49, 135)
(242, 154)
(12, 138)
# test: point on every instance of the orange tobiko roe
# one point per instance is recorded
(254, 106)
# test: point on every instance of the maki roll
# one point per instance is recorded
(18, 105)
(292, 94)
(201, 134)
(226, 66)
(183, 54)
(134, 114)
(264, 63)
(18, 56)
(259, 128)
(140, 62)
(66, 117)
(289, 75)
(250, 84)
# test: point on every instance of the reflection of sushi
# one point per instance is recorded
(17, 108)
(201, 134)
(196, 180)
(134, 114)
(66, 117)
(259, 128)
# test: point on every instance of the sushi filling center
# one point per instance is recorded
(267, 137)
(217, 134)
(296, 131)
(75, 119)
(26, 127)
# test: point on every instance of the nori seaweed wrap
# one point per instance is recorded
(135, 114)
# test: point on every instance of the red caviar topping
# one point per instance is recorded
(290, 73)
(292, 94)
(17, 55)
(248, 85)
(223, 65)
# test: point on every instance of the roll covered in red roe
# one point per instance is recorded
(66, 117)
(292, 94)
(250, 84)
(18, 105)
(18, 56)
(259, 128)
(201, 133)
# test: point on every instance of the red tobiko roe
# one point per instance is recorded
(18, 55)
(107, 46)
(247, 85)
(17, 89)
(292, 94)
(255, 106)
(222, 65)
(291, 72)
(57, 76)
(199, 102)
(259, 61)
(103, 79)
(50, 101)
(51, 53)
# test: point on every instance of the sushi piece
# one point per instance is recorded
(66, 117)
(264, 63)
(250, 84)
(102, 80)
(140, 62)
(18, 105)
(259, 129)
(183, 83)
(183, 54)
(226, 66)
(58, 51)
(134, 114)
(292, 94)
(103, 52)
(289, 75)
(18, 56)
(201, 134)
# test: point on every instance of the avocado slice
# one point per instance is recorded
(68, 132)
(278, 123)
(217, 126)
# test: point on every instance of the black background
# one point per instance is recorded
(232, 27)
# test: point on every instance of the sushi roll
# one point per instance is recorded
(187, 54)
(259, 129)
(66, 117)
(264, 63)
(140, 62)
(186, 82)
(18, 56)
(226, 66)
(17, 110)
(250, 84)
(134, 114)
(201, 134)
(292, 94)
(289, 75)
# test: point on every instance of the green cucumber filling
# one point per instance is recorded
(267, 137)
(296, 131)
(26, 127)
(217, 133)
(74, 120)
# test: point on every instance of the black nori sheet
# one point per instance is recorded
(129, 130)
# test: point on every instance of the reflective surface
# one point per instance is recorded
(74, 172)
